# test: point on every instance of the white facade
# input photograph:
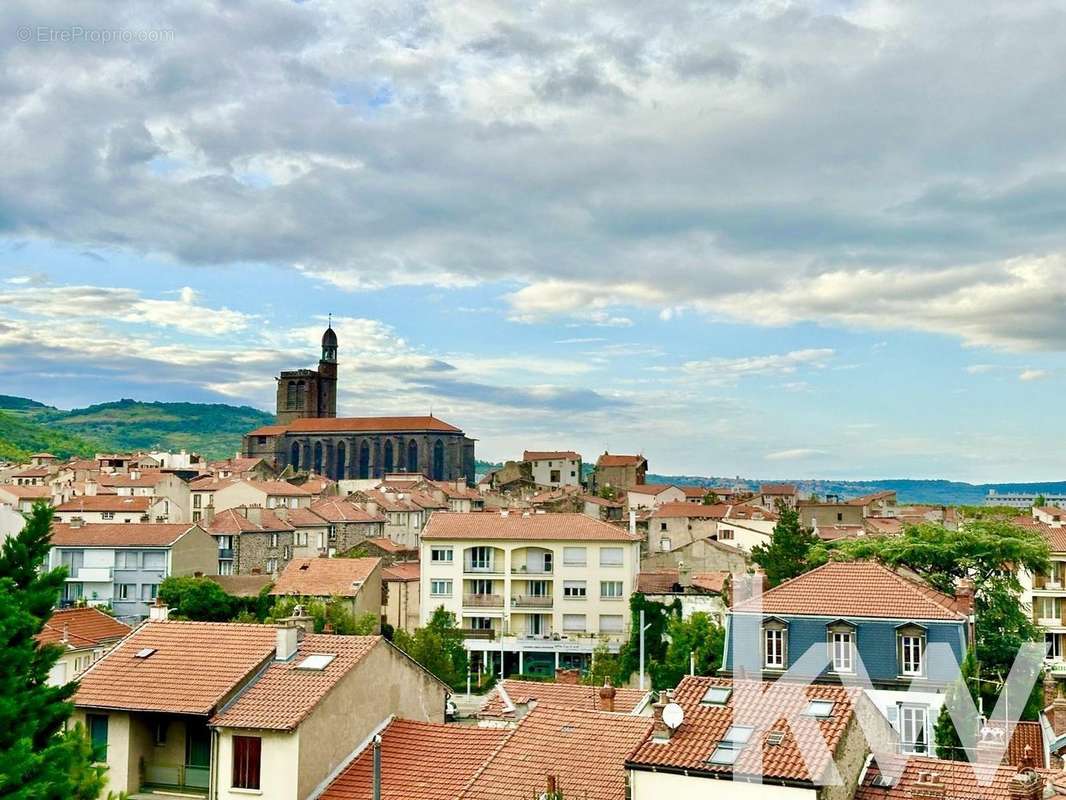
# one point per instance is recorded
(1023, 500)
(553, 599)
(556, 471)
(648, 785)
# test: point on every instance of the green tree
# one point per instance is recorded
(198, 599)
(335, 612)
(788, 552)
(1040, 501)
(605, 664)
(40, 760)
(438, 647)
(946, 739)
(656, 617)
(710, 499)
(697, 635)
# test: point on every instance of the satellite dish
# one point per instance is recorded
(673, 716)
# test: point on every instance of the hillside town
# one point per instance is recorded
(344, 610)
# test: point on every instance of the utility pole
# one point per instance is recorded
(643, 628)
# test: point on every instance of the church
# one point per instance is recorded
(309, 436)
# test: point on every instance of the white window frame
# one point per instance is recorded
(842, 648)
(774, 648)
(909, 718)
(575, 590)
(605, 562)
(436, 553)
(607, 590)
(440, 587)
(915, 658)
(570, 555)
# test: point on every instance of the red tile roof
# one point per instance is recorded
(148, 478)
(557, 695)
(283, 696)
(268, 430)
(657, 581)
(1026, 734)
(81, 627)
(233, 520)
(830, 533)
(368, 424)
(119, 534)
(33, 472)
(544, 527)
(710, 581)
(682, 508)
(388, 545)
(27, 492)
(276, 488)
(336, 510)
(325, 577)
(778, 488)
(585, 750)
(1055, 537)
(402, 571)
(105, 502)
(303, 518)
(765, 707)
(221, 655)
(550, 455)
(651, 489)
(419, 761)
(609, 460)
(958, 778)
(854, 589)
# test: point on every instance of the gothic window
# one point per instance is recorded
(290, 395)
(412, 456)
(364, 460)
(295, 453)
(389, 465)
(301, 395)
(438, 461)
(342, 451)
(318, 458)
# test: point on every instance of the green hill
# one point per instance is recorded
(213, 430)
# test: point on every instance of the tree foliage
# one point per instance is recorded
(40, 760)
(204, 600)
(789, 550)
(657, 617)
(336, 613)
(438, 647)
(710, 499)
(946, 739)
(697, 635)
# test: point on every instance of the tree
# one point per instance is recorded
(1040, 501)
(656, 616)
(710, 499)
(605, 664)
(438, 647)
(946, 738)
(697, 635)
(197, 599)
(335, 612)
(788, 553)
(40, 760)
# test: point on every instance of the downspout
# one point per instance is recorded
(212, 788)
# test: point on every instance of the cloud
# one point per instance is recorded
(1033, 374)
(727, 370)
(795, 454)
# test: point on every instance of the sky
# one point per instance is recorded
(764, 238)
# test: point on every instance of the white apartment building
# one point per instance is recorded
(554, 467)
(1022, 500)
(533, 592)
(1046, 594)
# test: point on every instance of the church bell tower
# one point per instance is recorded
(327, 374)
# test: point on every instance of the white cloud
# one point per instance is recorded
(727, 370)
(1033, 374)
(795, 454)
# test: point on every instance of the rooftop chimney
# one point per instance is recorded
(371, 507)
(90, 487)
(302, 620)
(159, 611)
(964, 596)
(253, 514)
(1057, 715)
(659, 732)
(1050, 690)
(288, 640)
(568, 676)
(928, 787)
(1027, 784)
(607, 693)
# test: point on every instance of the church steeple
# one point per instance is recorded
(329, 344)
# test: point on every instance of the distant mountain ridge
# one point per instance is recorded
(212, 429)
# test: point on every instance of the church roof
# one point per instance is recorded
(364, 425)
(329, 338)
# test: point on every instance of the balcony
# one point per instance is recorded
(532, 601)
(478, 633)
(482, 570)
(92, 575)
(483, 600)
(186, 778)
(536, 570)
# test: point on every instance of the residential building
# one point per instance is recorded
(266, 494)
(554, 467)
(1022, 500)
(401, 585)
(1044, 594)
(310, 531)
(703, 592)
(252, 539)
(85, 634)
(354, 582)
(618, 472)
(110, 508)
(602, 508)
(349, 525)
(749, 739)
(22, 498)
(226, 710)
(770, 494)
(652, 495)
(860, 620)
(814, 514)
(122, 564)
(925, 778)
(534, 591)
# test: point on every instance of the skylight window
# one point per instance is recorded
(728, 750)
(144, 652)
(717, 695)
(822, 709)
(316, 661)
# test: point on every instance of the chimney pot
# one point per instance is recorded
(659, 732)
(607, 693)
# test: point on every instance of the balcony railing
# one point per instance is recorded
(531, 570)
(177, 776)
(483, 600)
(492, 569)
(532, 601)
(478, 633)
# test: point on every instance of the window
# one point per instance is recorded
(910, 647)
(155, 560)
(125, 559)
(97, 724)
(611, 590)
(611, 556)
(441, 555)
(664, 545)
(662, 526)
(247, 752)
(107, 515)
(841, 647)
(912, 734)
(480, 559)
(717, 695)
(273, 540)
(612, 623)
(732, 743)
(481, 623)
(197, 500)
(440, 588)
(127, 591)
(196, 516)
(301, 538)
(575, 590)
(725, 534)
(225, 542)
(575, 556)
(554, 477)
(225, 567)
(272, 565)
(774, 649)
(148, 591)
(481, 586)
(840, 517)
(821, 709)
(160, 732)
(574, 622)
(1053, 645)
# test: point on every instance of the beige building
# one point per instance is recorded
(355, 582)
(22, 498)
(554, 468)
(618, 472)
(400, 582)
(1045, 594)
(110, 508)
(85, 634)
(533, 591)
(653, 495)
(267, 494)
(271, 713)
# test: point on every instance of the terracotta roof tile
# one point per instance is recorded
(549, 455)
(401, 571)
(958, 778)
(27, 492)
(286, 692)
(650, 489)
(1026, 734)
(778, 489)
(370, 424)
(556, 695)
(765, 707)
(419, 761)
(545, 527)
(119, 534)
(277, 488)
(106, 502)
(388, 545)
(612, 460)
(234, 520)
(710, 581)
(682, 508)
(325, 577)
(303, 518)
(81, 627)
(657, 582)
(220, 654)
(336, 510)
(585, 750)
(1055, 537)
(854, 589)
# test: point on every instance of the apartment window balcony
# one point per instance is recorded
(527, 569)
(492, 569)
(532, 601)
(483, 600)
(478, 633)
(92, 575)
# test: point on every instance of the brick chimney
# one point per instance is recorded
(928, 787)
(1027, 783)
(659, 731)
(964, 596)
(607, 693)
(571, 677)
